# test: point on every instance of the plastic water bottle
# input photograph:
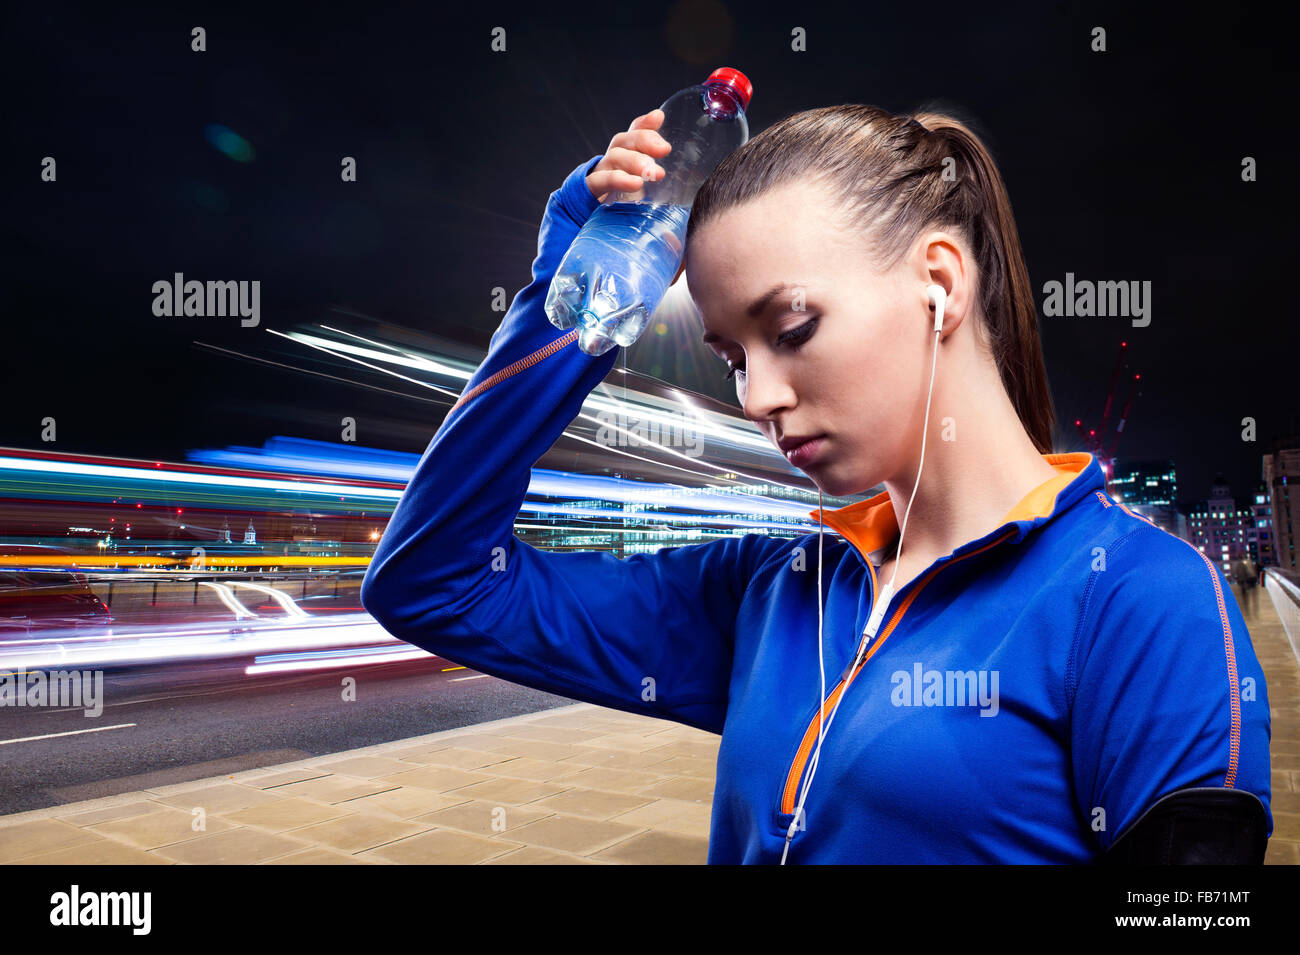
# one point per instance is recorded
(615, 273)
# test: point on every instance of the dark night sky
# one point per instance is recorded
(1121, 165)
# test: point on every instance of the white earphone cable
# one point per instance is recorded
(877, 612)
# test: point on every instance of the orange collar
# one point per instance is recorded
(871, 525)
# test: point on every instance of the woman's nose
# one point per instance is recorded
(765, 392)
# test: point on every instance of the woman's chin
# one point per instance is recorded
(829, 483)
(832, 483)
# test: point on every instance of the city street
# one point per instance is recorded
(189, 721)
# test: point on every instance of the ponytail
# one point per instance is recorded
(1006, 297)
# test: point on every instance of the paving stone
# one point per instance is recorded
(482, 818)
(90, 817)
(514, 792)
(648, 761)
(163, 827)
(682, 787)
(332, 789)
(317, 856)
(232, 847)
(538, 770)
(219, 798)
(1282, 852)
(658, 848)
(41, 835)
(673, 815)
(532, 855)
(366, 767)
(617, 780)
(290, 813)
(574, 834)
(437, 778)
(101, 851)
(288, 776)
(595, 803)
(358, 831)
(469, 759)
(406, 802)
(442, 847)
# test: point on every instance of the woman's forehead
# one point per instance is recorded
(788, 239)
(781, 232)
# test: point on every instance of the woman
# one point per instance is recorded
(1050, 678)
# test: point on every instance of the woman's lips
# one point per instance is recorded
(803, 455)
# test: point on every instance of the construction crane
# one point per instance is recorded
(1095, 439)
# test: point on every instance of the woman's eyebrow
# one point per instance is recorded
(761, 303)
(756, 308)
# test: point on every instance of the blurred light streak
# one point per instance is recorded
(364, 364)
(227, 597)
(112, 472)
(351, 382)
(404, 359)
(286, 602)
(732, 434)
(189, 642)
(735, 434)
(653, 517)
(355, 656)
(600, 529)
(308, 456)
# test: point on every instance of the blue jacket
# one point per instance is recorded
(1027, 696)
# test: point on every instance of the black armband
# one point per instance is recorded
(1198, 826)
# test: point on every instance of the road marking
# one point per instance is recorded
(97, 729)
(459, 678)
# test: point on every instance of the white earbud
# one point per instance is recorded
(937, 298)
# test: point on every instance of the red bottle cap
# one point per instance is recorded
(737, 80)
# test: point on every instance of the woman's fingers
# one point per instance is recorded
(629, 162)
(644, 140)
(617, 180)
(650, 120)
(635, 162)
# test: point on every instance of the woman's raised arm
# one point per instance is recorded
(650, 633)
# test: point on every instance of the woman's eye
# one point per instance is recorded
(795, 338)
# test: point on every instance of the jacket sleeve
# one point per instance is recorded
(649, 633)
(1167, 691)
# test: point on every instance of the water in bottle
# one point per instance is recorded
(615, 273)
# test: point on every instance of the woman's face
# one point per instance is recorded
(851, 366)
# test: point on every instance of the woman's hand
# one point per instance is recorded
(629, 162)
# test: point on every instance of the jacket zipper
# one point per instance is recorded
(797, 768)
(515, 367)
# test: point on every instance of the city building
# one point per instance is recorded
(1221, 530)
(1151, 489)
(1281, 473)
(1262, 511)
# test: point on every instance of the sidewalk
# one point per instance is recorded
(579, 784)
(576, 785)
(1282, 673)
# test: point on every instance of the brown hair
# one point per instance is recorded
(893, 176)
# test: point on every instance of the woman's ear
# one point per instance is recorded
(942, 262)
